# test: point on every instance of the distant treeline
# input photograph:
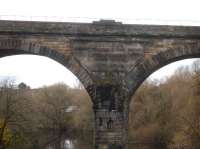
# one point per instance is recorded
(39, 118)
(163, 115)
(167, 114)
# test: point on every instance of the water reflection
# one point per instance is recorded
(68, 144)
(77, 143)
(80, 144)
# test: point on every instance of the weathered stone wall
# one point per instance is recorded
(110, 116)
(57, 48)
(160, 53)
(111, 59)
(106, 50)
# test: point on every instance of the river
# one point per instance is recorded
(84, 144)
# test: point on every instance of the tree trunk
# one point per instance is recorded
(2, 130)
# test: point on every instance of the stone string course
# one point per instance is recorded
(110, 58)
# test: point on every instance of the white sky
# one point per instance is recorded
(178, 11)
(37, 71)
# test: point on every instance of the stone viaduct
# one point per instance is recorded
(111, 60)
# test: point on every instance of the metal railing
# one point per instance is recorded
(89, 20)
(47, 18)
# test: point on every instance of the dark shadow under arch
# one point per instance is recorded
(9, 47)
(154, 62)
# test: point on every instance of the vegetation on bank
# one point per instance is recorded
(167, 115)
(38, 118)
(162, 115)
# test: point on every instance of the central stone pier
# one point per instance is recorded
(110, 58)
(111, 116)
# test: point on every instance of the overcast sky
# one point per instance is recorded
(37, 71)
(173, 11)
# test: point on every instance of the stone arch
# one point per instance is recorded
(10, 47)
(152, 62)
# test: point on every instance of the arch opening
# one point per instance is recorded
(151, 63)
(79, 105)
(162, 112)
(11, 47)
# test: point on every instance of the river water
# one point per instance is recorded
(77, 144)
(74, 144)
(84, 144)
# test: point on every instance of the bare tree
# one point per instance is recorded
(54, 102)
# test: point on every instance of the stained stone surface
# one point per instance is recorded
(110, 58)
